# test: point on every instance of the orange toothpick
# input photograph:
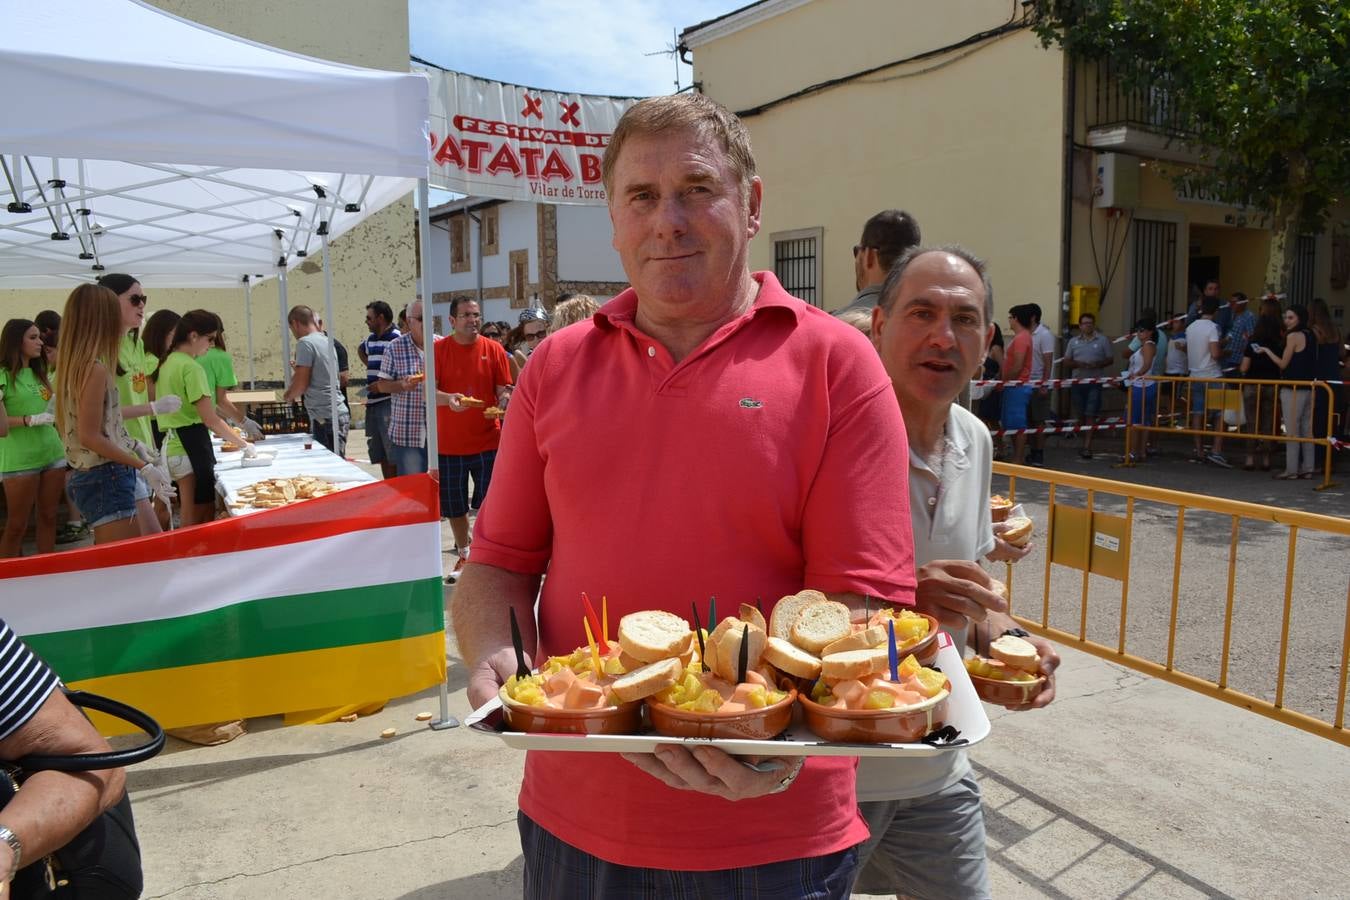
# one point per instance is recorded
(595, 653)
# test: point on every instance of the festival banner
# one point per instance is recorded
(329, 602)
(492, 139)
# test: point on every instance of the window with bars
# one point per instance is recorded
(797, 263)
(1301, 274)
(1155, 268)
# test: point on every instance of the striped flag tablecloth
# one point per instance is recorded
(322, 603)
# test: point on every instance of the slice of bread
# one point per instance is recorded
(653, 635)
(710, 643)
(788, 657)
(821, 624)
(998, 587)
(784, 613)
(1017, 530)
(647, 680)
(1016, 653)
(854, 664)
(866, 639)
(729, 650)
(752, 615)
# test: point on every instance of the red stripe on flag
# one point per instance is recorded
(410, 500)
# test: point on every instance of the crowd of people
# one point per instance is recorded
(114, 412)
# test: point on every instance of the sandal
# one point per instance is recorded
(1249, 465)
(1085, 454)
(1305, 475)
(1286, 476)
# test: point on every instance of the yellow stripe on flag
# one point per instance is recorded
(266, 685)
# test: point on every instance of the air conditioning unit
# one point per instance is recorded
(1115, 182)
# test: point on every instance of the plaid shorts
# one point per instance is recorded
(559, 871)
(455, 472)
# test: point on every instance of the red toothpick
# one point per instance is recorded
(590, 614)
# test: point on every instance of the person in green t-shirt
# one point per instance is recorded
(32, 457)
(220, 377)
(192, 461)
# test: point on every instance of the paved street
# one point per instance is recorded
(1125, 786)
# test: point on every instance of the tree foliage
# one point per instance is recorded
(1262, 85)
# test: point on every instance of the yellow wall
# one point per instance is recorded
(958, 146)
(375, 260)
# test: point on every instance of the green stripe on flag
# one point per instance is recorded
(265, 627)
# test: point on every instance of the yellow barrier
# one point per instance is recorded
(1099, 543)
(1243, 397)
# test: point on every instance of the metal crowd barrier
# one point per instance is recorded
(1089, 536)
(1225, 399)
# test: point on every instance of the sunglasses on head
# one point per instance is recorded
(137, 299)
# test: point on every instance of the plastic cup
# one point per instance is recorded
(309, 443)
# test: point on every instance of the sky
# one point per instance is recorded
(583, 46)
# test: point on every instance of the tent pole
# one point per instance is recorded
(333, 405)
(285, 331)
(429, 386)
(248, 320)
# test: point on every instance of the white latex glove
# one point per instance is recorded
(157, 479)
(169, 403)
(144, 452)
(42, 418)
(249, 451)
(252, 430)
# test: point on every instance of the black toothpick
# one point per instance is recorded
(744, 662)
(522, 670)
(698, 632)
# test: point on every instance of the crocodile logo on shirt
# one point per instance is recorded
(45, 393)
(747, 403)
(138, 383)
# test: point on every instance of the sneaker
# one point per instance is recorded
(462, 558)
(71, 532)
(1218, 460)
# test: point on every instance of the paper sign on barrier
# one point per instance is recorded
(1096, 541)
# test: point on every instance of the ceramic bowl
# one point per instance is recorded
(623, 719)
(755, 724)
(999, 512)
(926, 650)
(996, 690)
(876, 726)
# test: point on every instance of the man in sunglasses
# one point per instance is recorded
(885, 236)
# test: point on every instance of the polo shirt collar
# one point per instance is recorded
(622, 310)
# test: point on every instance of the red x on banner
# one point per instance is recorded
(569, 114)
(534, 106)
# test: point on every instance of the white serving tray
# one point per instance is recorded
(965, 713)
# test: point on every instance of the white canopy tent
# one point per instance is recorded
(136, 141)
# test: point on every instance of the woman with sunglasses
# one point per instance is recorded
(32, 459)
(525, 337)
(135, 390)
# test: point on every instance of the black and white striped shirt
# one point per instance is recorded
(25, 682)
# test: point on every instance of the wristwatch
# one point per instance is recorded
(15, 844)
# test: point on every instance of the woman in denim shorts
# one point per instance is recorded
(104, 459)
(32, 460)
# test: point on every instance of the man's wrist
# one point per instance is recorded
(15, 846)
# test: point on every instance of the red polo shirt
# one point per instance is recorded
(762, 463)
(476, 370)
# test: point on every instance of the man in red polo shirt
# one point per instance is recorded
(472, 373)
(705, 433)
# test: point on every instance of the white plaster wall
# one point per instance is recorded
(585, 252)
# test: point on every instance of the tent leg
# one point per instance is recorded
(285, 332)
(446, 720)
(428, 321)
(248, 319)
(333, 403)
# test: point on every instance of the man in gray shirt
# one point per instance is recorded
(316, 380)
(885, 236)
(1089, 353)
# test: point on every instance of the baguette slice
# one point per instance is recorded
(752, 615)
(854, 664)
(1017, 530)
(1016, 653)
(729, 650)
(860, 640)
(999, 588)
(712, 641)
(648, 680)
(788, 657)
(653, 635)
(630, 663)
(784, 613)
(821, 624)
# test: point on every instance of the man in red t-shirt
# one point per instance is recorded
(472, 372)
(704, 433)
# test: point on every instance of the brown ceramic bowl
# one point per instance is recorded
(876, 726)
(755, 725)
(926, 650)
(623, 719)
(996, 690)
(999, 512)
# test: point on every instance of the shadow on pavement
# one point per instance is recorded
(501, 885)
(1061, 855)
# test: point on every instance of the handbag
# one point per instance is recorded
(102, 862)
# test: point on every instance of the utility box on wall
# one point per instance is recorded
(1115, 183)
(1083, 298)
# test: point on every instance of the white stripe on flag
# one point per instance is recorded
(144, 592)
